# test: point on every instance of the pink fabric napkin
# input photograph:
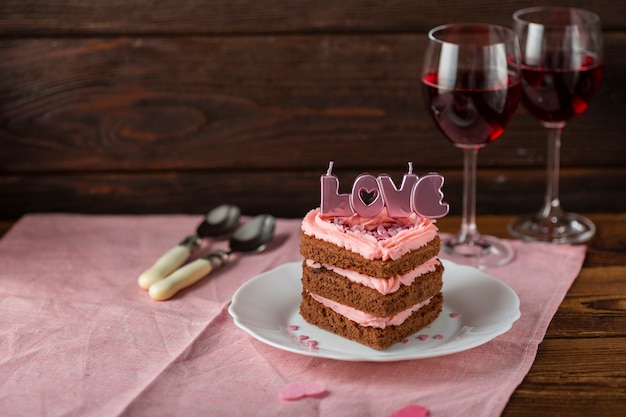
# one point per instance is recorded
(78, 337)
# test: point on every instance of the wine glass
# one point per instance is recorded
(561, 71)
(471, 89)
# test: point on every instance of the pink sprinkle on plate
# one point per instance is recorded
(312, 344)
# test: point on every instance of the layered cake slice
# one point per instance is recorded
(370, 271)
(374, 280)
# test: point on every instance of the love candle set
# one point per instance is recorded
(370, 195)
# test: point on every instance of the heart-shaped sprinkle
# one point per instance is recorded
(296, 390)
(413, 410)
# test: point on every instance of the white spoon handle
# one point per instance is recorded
(187, 275)
(168, 262)
(182, 278)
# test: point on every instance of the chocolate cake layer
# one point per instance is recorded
(328, 253)
(319, 315)
(333, 286)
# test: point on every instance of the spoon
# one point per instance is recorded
(219, 221)
(252, 236)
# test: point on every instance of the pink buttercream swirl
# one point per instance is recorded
(382, 285)
(380, 237)
(366, 319)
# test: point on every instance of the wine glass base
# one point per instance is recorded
(566, 228)
(482, 252)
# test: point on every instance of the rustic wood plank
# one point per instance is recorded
(286, 193)
(137, 104)
(594, 306)
(585, 388)
(606, 249)
(249, 16)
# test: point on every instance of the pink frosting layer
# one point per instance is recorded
(366, 319)
(380, 237)
(382, 285)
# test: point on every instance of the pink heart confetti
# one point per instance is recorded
(413, 410)
(296, 390)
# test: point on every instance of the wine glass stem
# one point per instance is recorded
(469, 232)
(552, 206)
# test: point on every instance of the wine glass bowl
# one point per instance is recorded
(561, 69)
(471, 89)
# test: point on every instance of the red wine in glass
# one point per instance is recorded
(561, 68)
(556, 94)
(471, 88)
(471, 116)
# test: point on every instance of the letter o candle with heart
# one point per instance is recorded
(370, 195)
(366, 199)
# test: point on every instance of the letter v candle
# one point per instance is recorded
(399, 203)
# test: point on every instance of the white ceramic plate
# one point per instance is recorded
(476, 309)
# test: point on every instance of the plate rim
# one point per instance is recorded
(445, 348)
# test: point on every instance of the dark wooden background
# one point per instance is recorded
(163, 106)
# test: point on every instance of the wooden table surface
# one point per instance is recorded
(580, 369)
